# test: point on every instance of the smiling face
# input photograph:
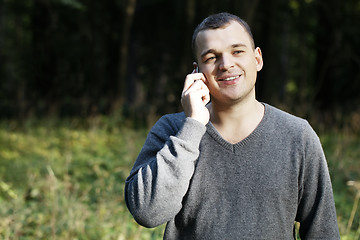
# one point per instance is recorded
(229, 62)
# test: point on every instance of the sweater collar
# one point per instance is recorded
(212, 131)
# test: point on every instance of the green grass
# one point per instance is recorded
(64, 179)
(342, 150)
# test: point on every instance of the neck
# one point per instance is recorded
(235, 122)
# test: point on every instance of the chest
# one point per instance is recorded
(255, 172)
(251, 182)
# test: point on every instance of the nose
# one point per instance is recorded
(226, 62)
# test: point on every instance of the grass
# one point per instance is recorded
(64, 179)
(343, 155)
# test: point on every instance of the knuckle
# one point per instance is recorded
(189, 76)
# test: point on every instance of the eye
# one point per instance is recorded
(237, 52)
(209, 59)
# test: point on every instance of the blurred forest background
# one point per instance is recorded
(81, 82)
(81, 57)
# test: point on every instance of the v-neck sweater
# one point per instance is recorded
(204, 187)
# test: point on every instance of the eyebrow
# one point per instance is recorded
(238, 45)
(214, 51)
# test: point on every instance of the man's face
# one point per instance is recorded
(229, 62)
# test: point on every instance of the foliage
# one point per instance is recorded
(80, 57)
(64, 179)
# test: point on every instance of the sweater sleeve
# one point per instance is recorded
(316, 210)
(161, 174)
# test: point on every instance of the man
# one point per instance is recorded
(234, 168)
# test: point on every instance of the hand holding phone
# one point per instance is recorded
(195, 96)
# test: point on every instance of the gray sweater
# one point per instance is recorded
(204, 187)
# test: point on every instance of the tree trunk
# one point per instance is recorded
(187, 51)
(124, 52)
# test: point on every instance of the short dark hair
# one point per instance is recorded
(220, 20)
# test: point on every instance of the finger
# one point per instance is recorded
(198, 84)
(199, 90)
(199, 76)
(191, 78)
(205, 94)
(195, 87)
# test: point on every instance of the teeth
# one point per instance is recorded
(230, 78)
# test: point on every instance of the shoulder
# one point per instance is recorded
(169, 123)
(288, 124)
(174, 117)
(284, 120)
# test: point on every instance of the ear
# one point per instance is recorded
(196, 67)
(259, 59)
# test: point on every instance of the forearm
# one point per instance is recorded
(155, 188)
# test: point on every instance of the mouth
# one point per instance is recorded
(228, 79)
